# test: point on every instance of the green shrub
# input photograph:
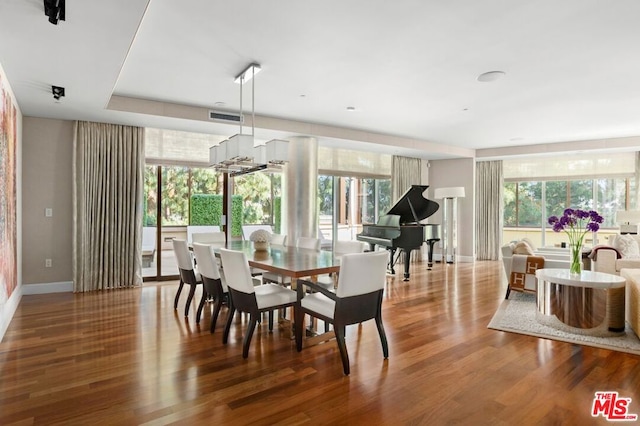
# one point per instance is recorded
(277, 216)
(206, 209)
(236, 215)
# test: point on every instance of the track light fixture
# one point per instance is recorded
(54, 9)
(58, 92)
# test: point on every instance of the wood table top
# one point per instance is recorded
(285, 260)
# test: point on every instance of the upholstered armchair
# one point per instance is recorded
(522, 247)
(622, 251)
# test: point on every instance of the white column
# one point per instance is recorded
(300, 190)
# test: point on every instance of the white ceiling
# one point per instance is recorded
(408, 67)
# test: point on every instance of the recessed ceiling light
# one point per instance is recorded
(490, 76)
(350, 108)
(220, 104)
(516, 139)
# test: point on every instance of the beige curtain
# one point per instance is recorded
(489, 188)
(406, 171)
(637, 183)
(108, 165)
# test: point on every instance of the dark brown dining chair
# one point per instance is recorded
(188, 273)
(245, 297)
(213, 280)
(358, 298)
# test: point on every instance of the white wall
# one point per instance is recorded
(9, 306)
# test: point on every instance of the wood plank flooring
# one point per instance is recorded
(126, 357)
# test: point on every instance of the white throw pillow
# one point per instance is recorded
(627, 246)
(522, 247)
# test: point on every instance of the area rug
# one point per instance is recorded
(518, 315)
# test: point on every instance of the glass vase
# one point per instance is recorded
(576, 259)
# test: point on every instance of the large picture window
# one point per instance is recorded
(538, 187)
(527, 205)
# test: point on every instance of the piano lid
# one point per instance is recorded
(413, 207)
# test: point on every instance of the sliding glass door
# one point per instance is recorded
(169, 191)
(346, 203)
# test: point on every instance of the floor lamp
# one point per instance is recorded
(628, 221)
(449, 218)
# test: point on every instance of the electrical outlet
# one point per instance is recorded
(48, 212)
(47, 263)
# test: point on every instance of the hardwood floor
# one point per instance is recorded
(126, 357)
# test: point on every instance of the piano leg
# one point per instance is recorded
(407, 262)
(430, 243)
(392, 251)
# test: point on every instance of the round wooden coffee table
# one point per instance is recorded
(588, 303)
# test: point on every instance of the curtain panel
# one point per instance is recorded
(406, 171)
(108, 166)
(489, 188)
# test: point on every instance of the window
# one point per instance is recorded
(260, 192)
(358, 201)
(175, 195)
(529, 204)
(611, 198)
(538, 187)
(556, 196)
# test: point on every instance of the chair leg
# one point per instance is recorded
(340, 331)
(383, 337)
(192, 291)
(175, 302)
(217, 304)
(506, 296)
(227, 327)
(201, 306)
(298, 326)
(249, 334)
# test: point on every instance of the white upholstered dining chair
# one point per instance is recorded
(209, 237)
(213, 280)
(358, 298)
(245, 297)
(340, 248)
(188, 273)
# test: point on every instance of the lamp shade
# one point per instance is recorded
(239, 147)
(451, 192)
(260, 154)
(631, 217)
(221, 151)
(277, 151)
(213, 153)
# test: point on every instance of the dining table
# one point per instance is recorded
(289, 261)
(294, 262)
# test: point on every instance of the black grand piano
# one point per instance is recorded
(400, 228)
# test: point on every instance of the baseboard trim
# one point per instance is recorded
(8, 310)
(45, 288)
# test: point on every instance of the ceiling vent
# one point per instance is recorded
(226, 117)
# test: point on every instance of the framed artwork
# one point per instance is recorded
(8, 213)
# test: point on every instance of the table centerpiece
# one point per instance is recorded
(576, 223)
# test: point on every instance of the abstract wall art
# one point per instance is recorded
(8, 213)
